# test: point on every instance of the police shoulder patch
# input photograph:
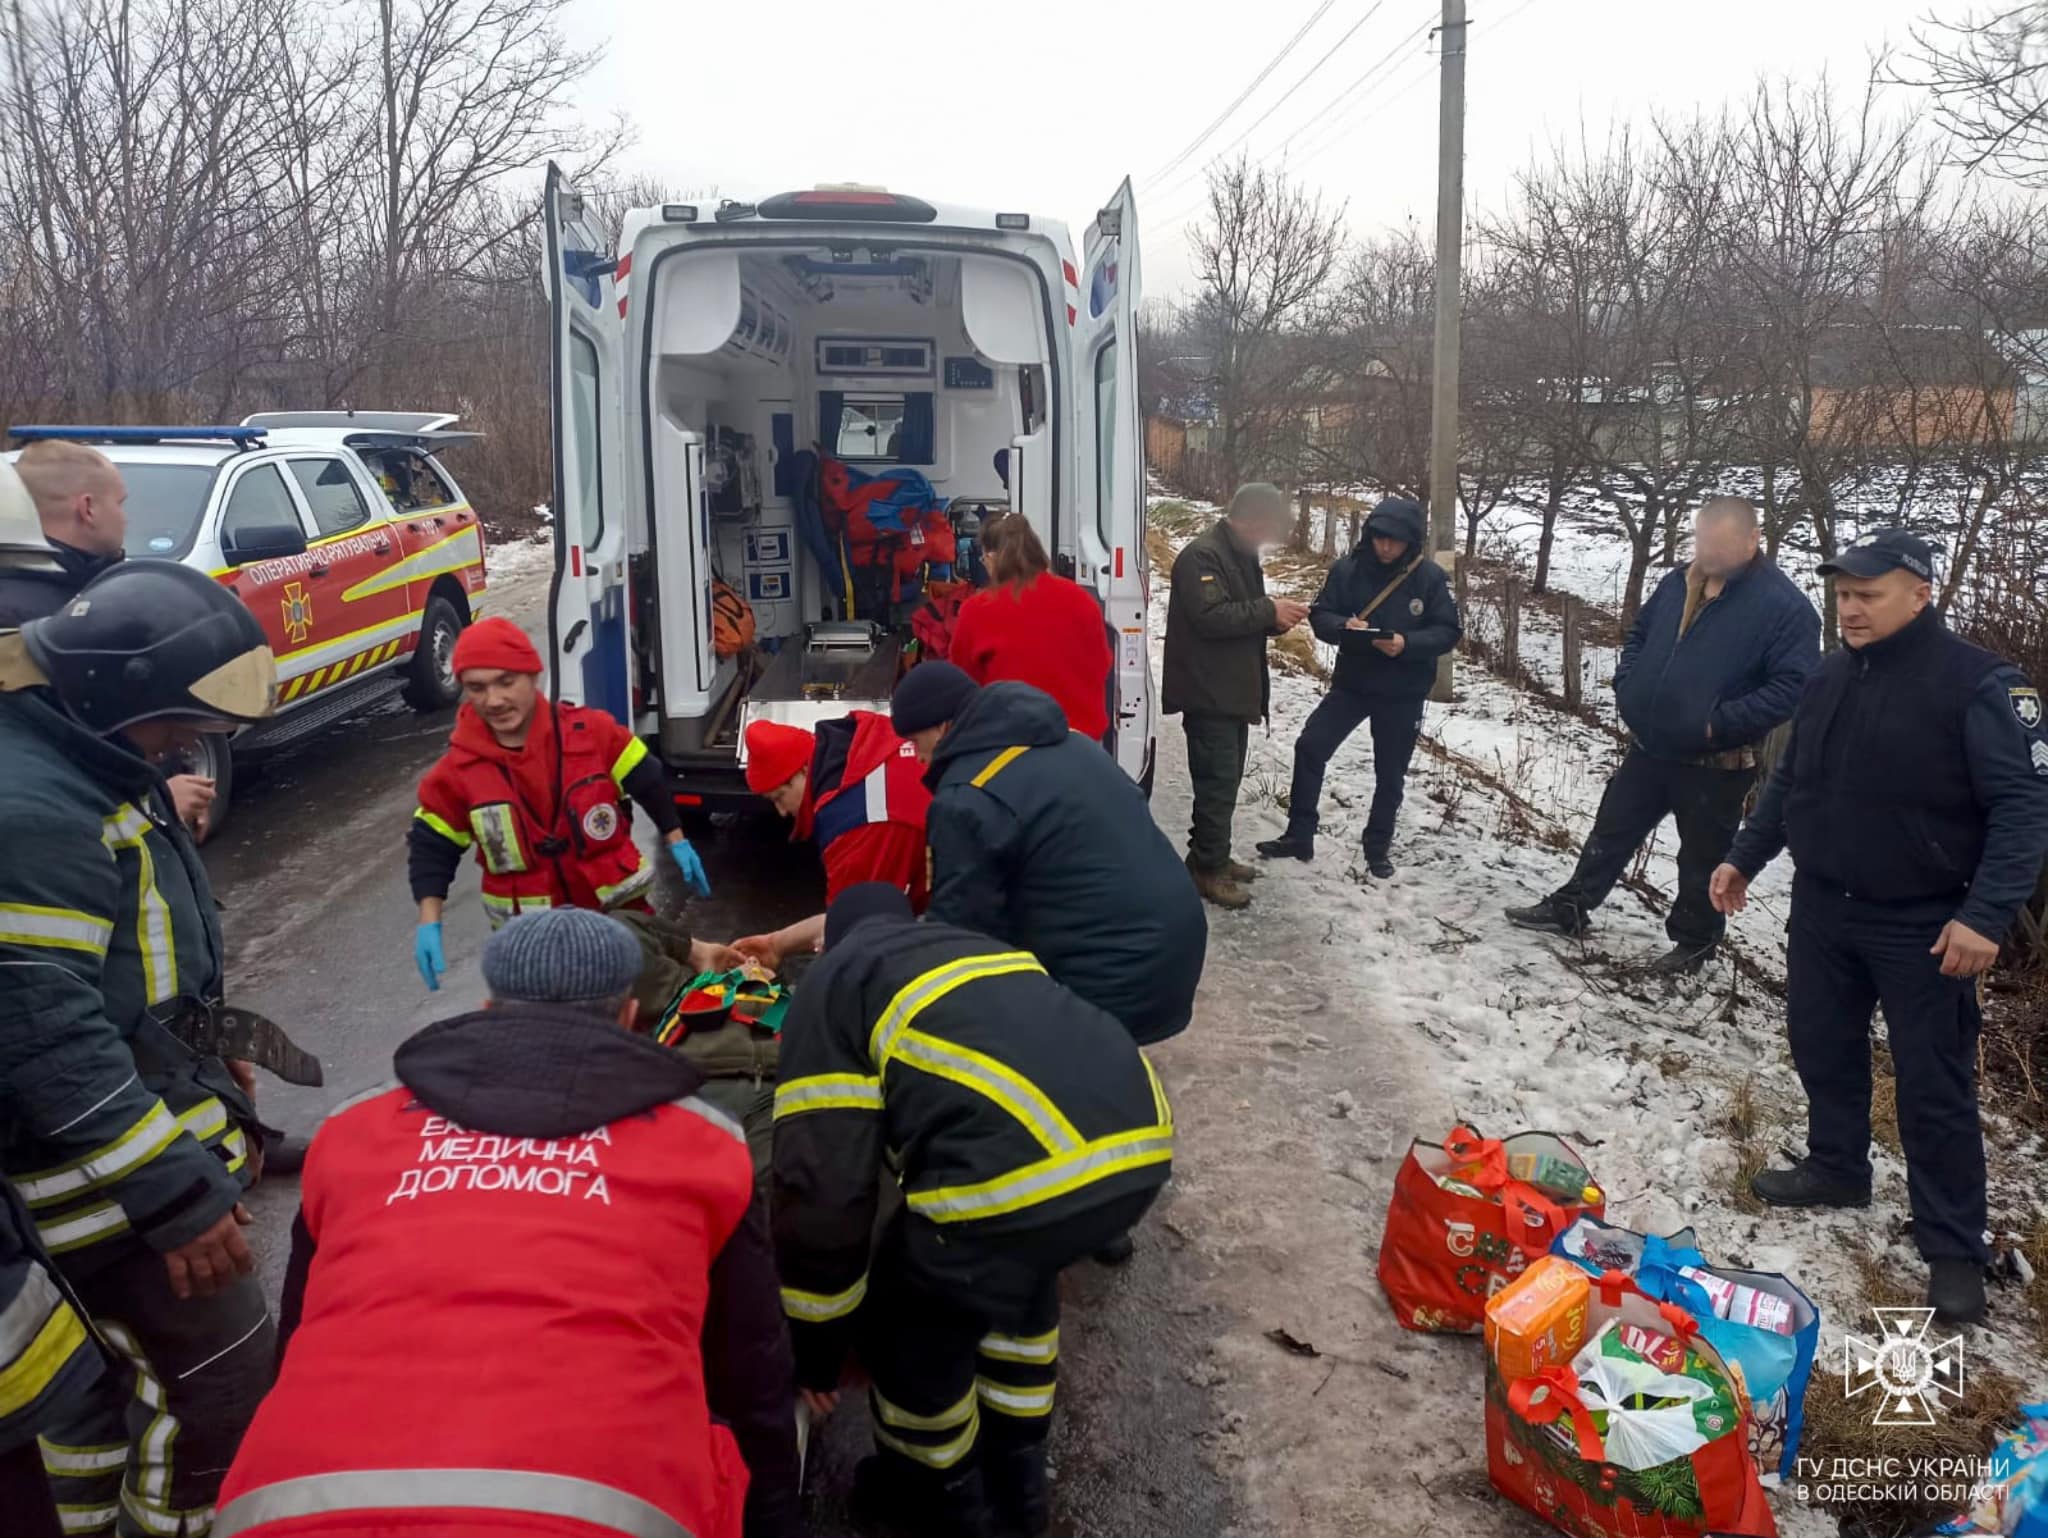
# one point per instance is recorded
(2026, 704)
(1415, 606)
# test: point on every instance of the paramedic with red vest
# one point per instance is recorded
(858, 789)
(531, 1289)
(540, 789)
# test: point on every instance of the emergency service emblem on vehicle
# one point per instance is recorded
(600, 823)
(2026, 704)
(297, 605)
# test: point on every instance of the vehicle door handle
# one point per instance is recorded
(316, 571)
(575, 631)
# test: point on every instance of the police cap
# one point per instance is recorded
(147, 640)
(1886, 550)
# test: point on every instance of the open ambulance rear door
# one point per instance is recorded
(589, 641)
(1112, 446)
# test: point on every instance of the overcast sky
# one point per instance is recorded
(1046, 108)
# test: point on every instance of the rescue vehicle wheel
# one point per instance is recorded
(430, 679)
(214, 759)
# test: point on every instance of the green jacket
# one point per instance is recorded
(111, 1129)
(1216, 628)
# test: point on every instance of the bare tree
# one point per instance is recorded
(1375, 355)
(1264, 256)
(1988, 78)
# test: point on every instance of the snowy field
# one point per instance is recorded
(1455, 1015)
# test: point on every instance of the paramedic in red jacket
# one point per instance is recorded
(1034, 627)
(540, 789)
(531, 1289)
(858, 789)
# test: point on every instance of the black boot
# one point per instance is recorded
(1018, 1491)
(1117, 1252)
(1955, 1291)
(1379, 865)
(1289, 846)
(1551, 916)
(1803, 1185)
(1682, 960)
(919, 1504)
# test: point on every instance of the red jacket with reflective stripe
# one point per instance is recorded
(539, 844)
(490, 1303)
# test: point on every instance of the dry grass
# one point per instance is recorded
(1295, 652)
(1883, 1287)
(2035, 1248)
(1884, 1101)
(1839, 1427)
(1159, 550)
(1745, 1125)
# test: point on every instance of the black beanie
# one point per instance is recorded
(858, 904)
(930, 694)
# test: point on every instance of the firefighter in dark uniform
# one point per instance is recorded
(1913, 794)
(129, 1146)
(1026, 1130)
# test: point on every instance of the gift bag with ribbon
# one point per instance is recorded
(1644, 1434)
(1469, 1214)
(1760, 1321)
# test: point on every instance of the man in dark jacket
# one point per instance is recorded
(1715, 660)
(81, 502)
(1025, 1131)
(1913, 794)
(129, 1146)
(1038, 838)
(1388, 610)
(1217, 624)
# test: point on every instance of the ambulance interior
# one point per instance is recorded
(886, 360)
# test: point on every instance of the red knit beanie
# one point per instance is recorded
(776, 754)
(494, 643)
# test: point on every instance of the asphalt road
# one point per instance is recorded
(319, 924)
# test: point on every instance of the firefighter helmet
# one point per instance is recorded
(147, 640)
(21, 531)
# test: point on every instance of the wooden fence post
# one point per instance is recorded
(1574, 683)
(1511, 624)
(1330, 534)
(1461, 585)
(1301, 523)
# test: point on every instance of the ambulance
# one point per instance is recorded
(709, 359)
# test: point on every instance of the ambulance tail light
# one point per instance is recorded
(683, 800)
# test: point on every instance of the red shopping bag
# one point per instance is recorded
(1445, 1253)
(1544, 1453)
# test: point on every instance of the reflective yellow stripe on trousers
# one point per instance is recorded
(509, 1490)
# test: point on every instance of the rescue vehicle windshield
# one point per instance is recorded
(164, 505)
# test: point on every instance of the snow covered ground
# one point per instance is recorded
(1342, 1016)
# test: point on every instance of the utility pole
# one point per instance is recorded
(1450, 249)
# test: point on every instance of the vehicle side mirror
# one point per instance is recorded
(264, 542)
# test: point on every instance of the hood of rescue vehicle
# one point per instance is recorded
(539, 1070)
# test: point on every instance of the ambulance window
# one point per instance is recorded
(1105, 440)
(258, 505)
(589, 488)
(331, 494)
(869, 427)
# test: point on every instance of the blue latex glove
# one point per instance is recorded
(426, 953)
(691, 866)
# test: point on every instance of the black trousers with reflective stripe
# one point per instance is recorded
(176, 1415)
(960, 1377)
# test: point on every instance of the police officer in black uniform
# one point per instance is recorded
(1913, 794)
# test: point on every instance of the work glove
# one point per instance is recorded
(691, 866)
(426, 953)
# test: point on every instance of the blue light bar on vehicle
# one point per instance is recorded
(242, 437)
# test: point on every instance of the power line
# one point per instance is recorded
(1356, 85)
(1282, 100)
(1257, 80)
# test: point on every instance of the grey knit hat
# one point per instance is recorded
(561, 956)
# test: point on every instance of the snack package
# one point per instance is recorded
(1460, 1227)
(1539, 1319)
(1759, 1321)
(2015, 1504)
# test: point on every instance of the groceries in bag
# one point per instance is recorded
(1539, 1321)
(1461, 1226)
(1761, 1321)
(1643, 1433)
(2014, 1501)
